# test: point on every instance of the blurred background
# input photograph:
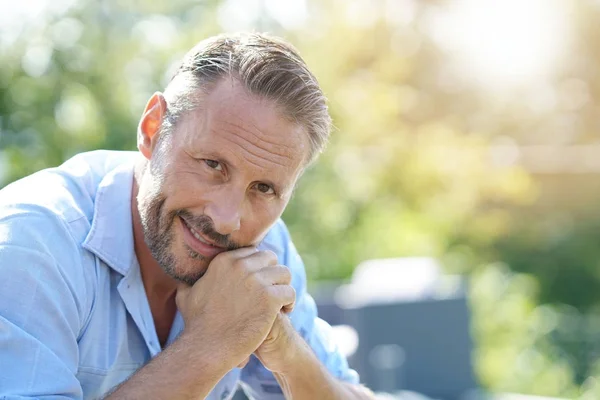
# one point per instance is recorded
(466, 155)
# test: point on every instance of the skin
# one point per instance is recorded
(226, 171)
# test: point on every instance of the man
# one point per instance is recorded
(167, 274)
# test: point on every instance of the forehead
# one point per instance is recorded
(251, 131)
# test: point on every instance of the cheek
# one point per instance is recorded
(262, 219)
(149, 195)
(184, 189)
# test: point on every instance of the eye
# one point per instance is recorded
(214, 165)
(264, 188)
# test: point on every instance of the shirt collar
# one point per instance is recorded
(111, 235)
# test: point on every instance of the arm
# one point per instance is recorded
(189, 368)
(301, 375)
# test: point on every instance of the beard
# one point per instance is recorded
(158, 226)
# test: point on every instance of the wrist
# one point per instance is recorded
(296, 353)
(303, 376)
(205, 354)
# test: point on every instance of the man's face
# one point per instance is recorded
(219, 181)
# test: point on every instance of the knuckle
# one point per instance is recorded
(248, 279)
(265, 297)
(286, 273)
(288, 291)
(281, 293)
(270, 255)
(254, 280)
(257, 279)
(239, 264)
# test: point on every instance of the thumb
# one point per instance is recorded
(183, 291)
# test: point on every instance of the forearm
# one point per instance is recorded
(184, 370)
(309, 379)
(333, 389)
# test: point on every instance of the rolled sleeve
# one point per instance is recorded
(40, 314)
(260, 383)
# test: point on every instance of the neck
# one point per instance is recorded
(160, 287)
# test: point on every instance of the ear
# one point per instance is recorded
(150, 124)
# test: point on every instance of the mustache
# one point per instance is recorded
(204, 225)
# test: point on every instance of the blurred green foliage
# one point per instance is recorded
(409, 169)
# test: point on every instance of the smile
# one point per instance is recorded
(197, 242)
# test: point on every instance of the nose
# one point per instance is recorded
(225, 211)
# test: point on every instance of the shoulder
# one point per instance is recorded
(44, 219)
(280, 242)
(65, 193)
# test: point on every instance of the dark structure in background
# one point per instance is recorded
(422, 346)
(418, 343)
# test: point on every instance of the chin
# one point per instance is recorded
(191, 271)
(187, 277)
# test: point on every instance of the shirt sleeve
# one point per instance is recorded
(256, 380)
(40, 313)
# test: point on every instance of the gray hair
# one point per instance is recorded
(267, 66)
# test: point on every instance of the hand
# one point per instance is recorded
(277, 351)
(233, 306)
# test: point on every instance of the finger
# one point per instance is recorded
(244, 363)
(283, 295)
(282, 323)
(276, 275)
(183, 290)
(241, 252)
(287, 309)
(262, 258)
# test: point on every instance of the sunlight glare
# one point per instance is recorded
(503, 42)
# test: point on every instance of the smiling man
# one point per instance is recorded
(167, 273)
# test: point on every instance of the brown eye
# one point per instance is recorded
(214, 165)
(264, 188)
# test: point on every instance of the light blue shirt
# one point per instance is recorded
(74, 317)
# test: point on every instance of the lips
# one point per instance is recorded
(198, 242)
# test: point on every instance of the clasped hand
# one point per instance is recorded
(238, 308)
